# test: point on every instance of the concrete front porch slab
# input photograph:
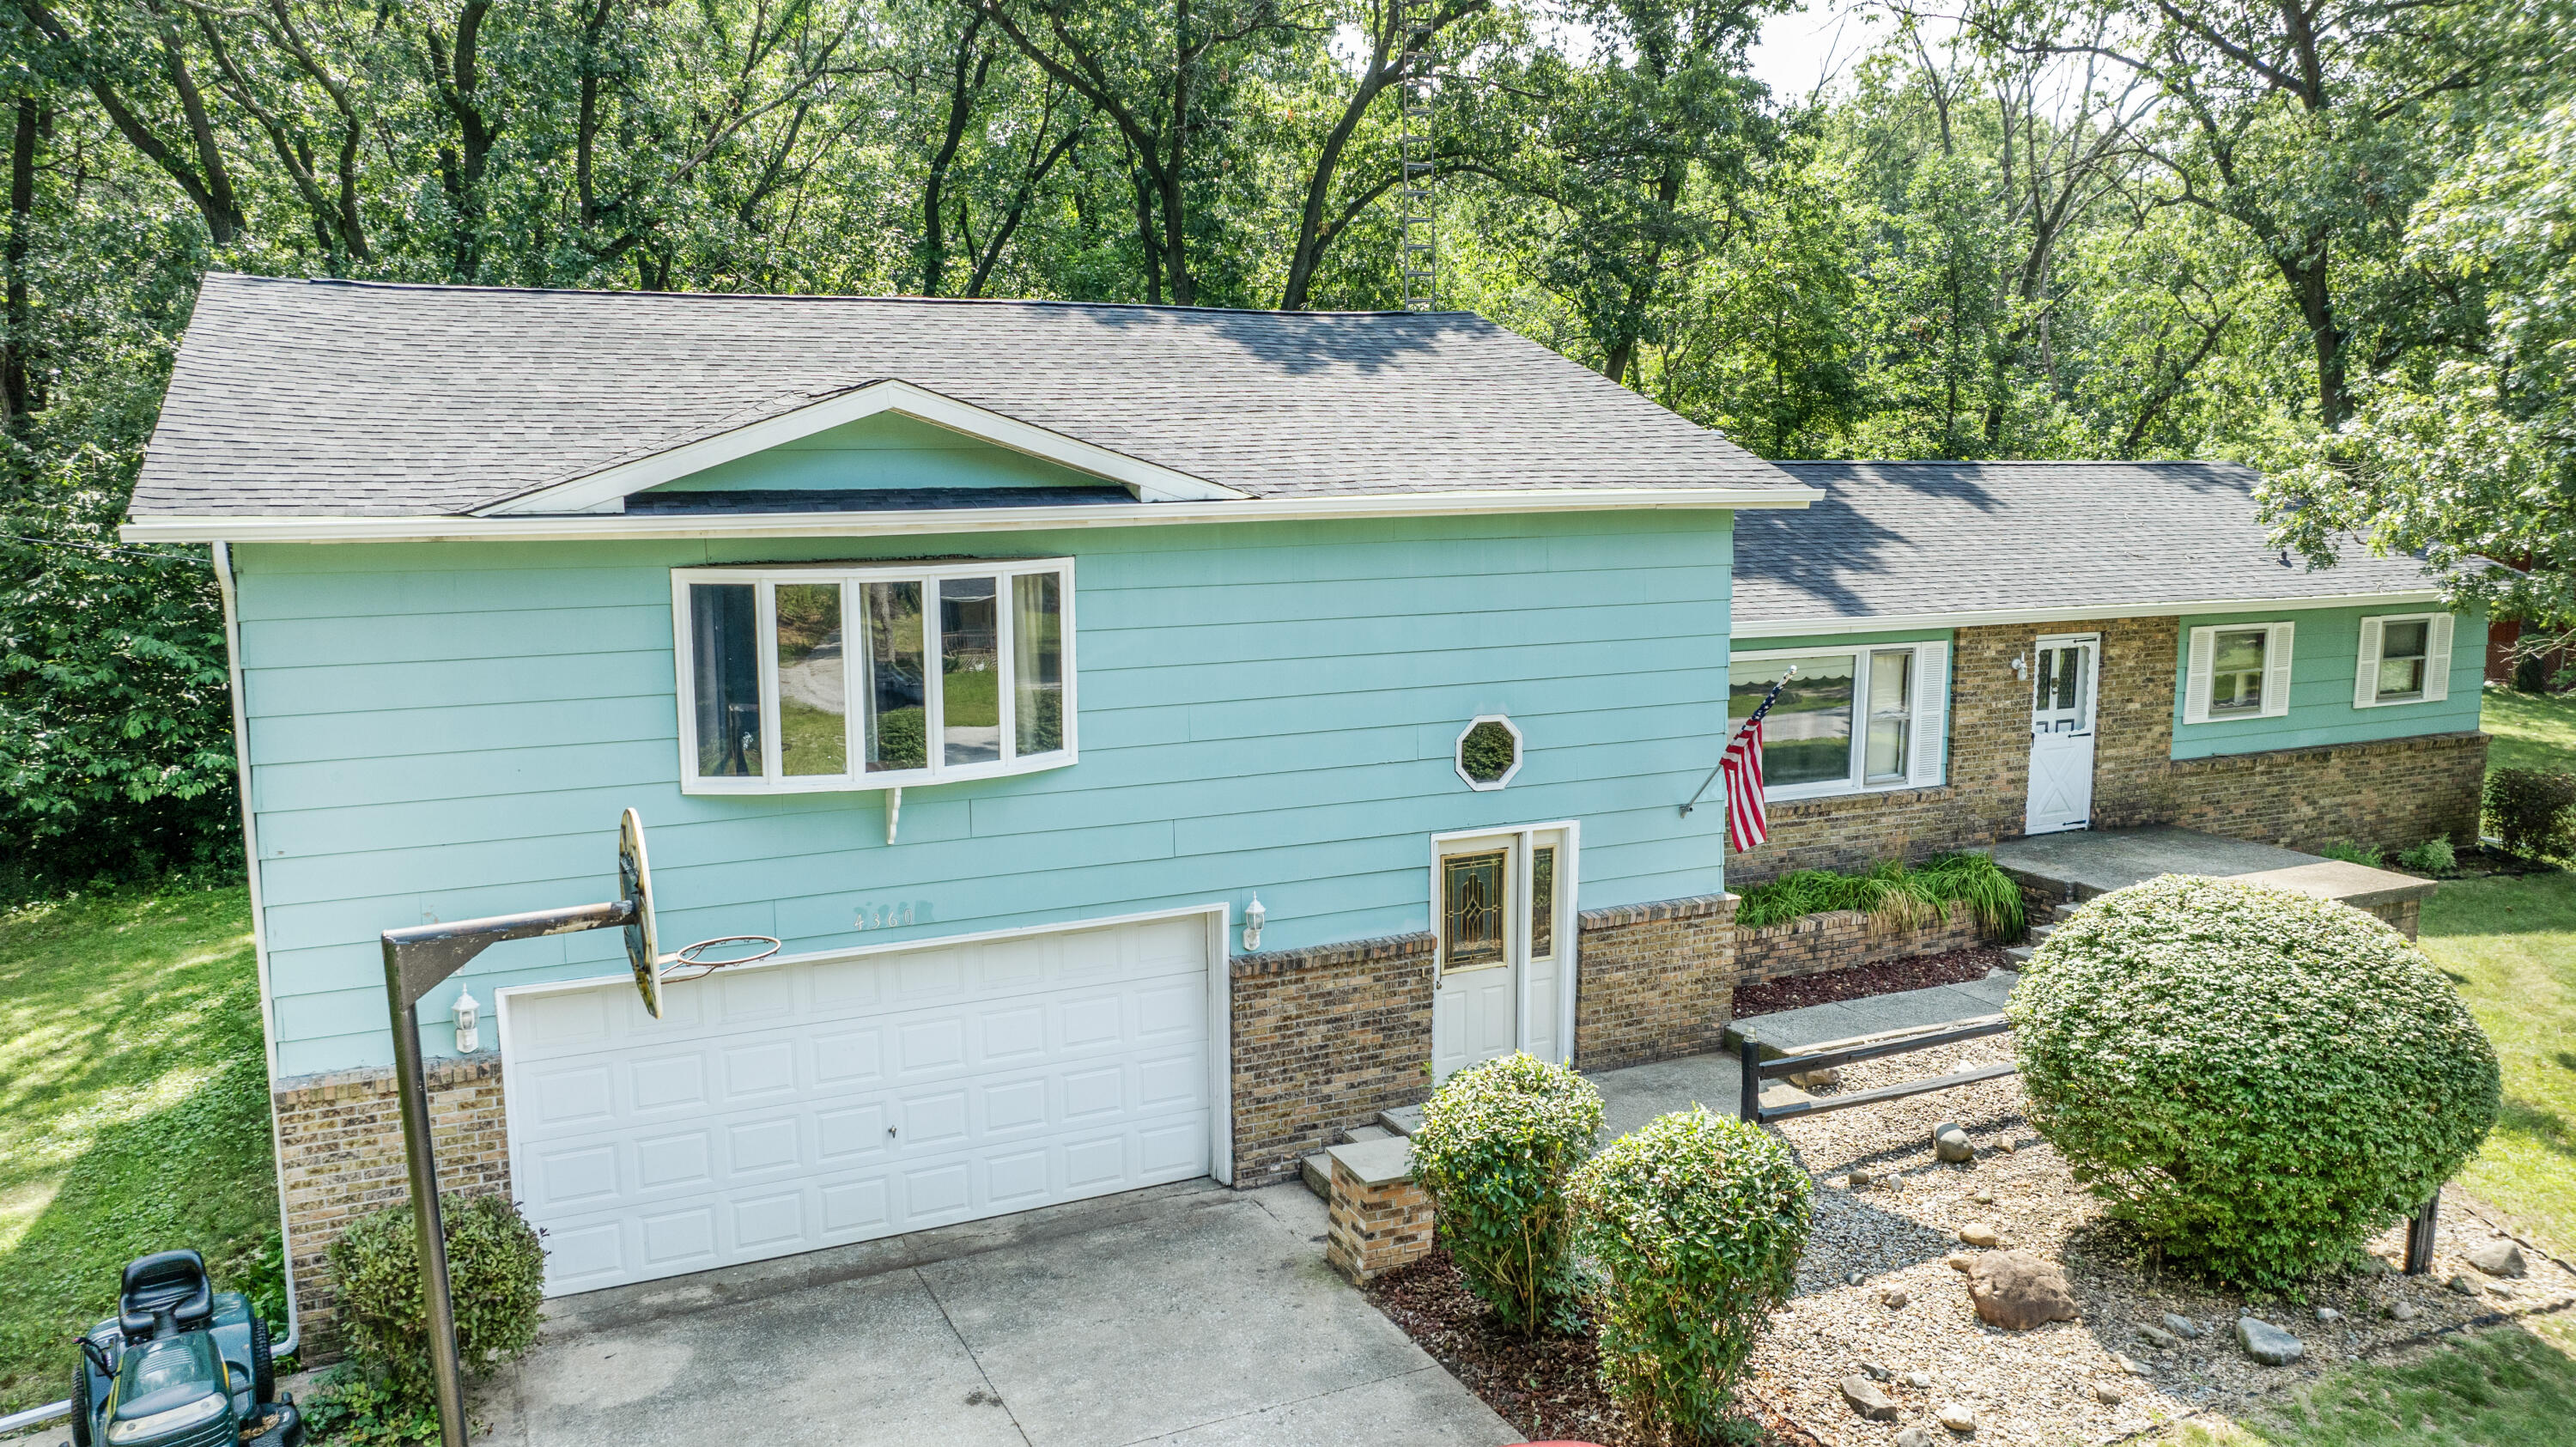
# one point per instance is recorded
(2082, 863)
(1192, 1316)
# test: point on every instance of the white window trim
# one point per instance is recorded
(1927, 766)
(929, 574)
(2279, 648)
(2437, 660)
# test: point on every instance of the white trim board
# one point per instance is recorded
(2001, 617)
(443, 529)
(605, 491)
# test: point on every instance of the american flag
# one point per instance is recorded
(1746, 824)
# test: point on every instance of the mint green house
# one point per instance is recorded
(1160, 738)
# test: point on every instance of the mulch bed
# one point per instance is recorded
(1914, 972)
(1549, 1387)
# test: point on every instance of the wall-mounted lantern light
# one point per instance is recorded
(1253, 918)
(2021, 666)
(469, 1022)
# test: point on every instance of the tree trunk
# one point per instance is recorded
(16, 399)
(2310, 281)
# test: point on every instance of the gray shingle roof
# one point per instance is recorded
(335, 398)
(1915, 539)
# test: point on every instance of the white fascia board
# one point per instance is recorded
(604, 490)
(944, 520)
(2004, 617)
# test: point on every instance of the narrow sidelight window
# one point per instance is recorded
(1891, 715)
(1542, 933)
(724, 666)
(898, 730)
(1037, 663)
(970, 674)
(2236, 672)
(813, 684)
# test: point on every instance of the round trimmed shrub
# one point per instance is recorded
(1497, 1143)
(2255, 1080)
(496, 1272)
(1695, 1222)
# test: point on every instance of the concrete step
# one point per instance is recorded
(1317, 1172)
(1359, 1133)
(1403, 1120)
(2021, 953)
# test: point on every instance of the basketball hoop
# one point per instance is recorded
(643, 956)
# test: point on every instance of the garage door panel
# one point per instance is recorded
(810, 1106)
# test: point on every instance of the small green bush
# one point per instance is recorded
(2255, 1080)
(1695, 1222)
(2534, 810)
(2433, 856)
(1488, 752)
(2530, 674)
(1899, 896)
(1497, 1142)
(2351, 853)
(496, 1271)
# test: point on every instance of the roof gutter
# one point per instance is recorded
(2004, 617)
(588, 526)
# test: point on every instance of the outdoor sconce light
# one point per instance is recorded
(2021, 665)
(1253, 918)
(469, 1021)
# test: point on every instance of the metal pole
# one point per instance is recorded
(446, 1372)
(2419, 1236)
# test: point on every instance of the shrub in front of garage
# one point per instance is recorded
(1695, 1221)
(2255, 1081)
(1498, 1142)
(497, 1273)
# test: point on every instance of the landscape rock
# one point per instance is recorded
(2182, 1326)
(2017, 1291)
(1893, 1297)
(2157, 1337)
(1877, 1371)
(1857, 1179)
(1957, 1417)
(2328, 1313)
(2464, 1284)
(1918, 1379)
(1866, 1398)
(2499, 1258)
(2405, 1311)
(1952, 1145)
(2373, 1266)
(1979, 1233)
(1959, 1261)
(1812, 1079)
(1914, 1437)
(2108, 1394)
(2267, 1343)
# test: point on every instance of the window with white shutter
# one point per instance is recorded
(2237, 670)
(2405, 658)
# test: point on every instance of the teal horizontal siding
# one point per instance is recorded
(2325, 654)
(443, 731)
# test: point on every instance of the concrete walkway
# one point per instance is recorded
(1189, 1315)
(1787, 1032)
(2085, 862)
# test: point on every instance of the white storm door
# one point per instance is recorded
(1502, 907)
(2063, 688)
(784, 1109)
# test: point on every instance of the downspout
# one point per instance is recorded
(18, 1422)
(224, 583)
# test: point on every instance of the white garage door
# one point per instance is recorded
(781, 1109)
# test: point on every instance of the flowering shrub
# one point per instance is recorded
(1497, 1142)
(2256, 1080)
(1696, 1222)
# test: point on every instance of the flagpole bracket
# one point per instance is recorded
(1765, 707)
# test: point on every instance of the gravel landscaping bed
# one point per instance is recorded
(1877, 1295)
(1915, 972)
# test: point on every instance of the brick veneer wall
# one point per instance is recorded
(2392, 795)
(1324, 1039)
(1371, 1230)
(1655, 981)
(341, 1155)
(1840, 939)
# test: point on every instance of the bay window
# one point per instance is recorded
(844, 676)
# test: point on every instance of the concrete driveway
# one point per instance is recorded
(1184, 1315)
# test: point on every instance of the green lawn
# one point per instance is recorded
(2504, 1389)
(133, 1112)
(2531, 731)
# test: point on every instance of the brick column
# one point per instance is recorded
(1380, 1219)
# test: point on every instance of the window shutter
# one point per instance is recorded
(1931, 714)
(2437, 658)
(2276, 671)
(2365, 676)
(2195, 679)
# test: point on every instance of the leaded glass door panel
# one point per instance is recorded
(1503, 923)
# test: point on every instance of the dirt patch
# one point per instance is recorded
(1549, 1388)
(1915, 972)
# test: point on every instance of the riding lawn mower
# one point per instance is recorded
(179, 1365)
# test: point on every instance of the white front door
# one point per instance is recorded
(786, 1108)
(1503, 907)
(2061, 733)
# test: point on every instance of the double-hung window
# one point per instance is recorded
(2405, 658)
(841, 676)
(1847, 719)
(2238, 670)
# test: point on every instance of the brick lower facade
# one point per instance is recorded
(1324, 1039)
(1841, 939)
(340, 1147)
(1653, 981)
(2390, 795)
